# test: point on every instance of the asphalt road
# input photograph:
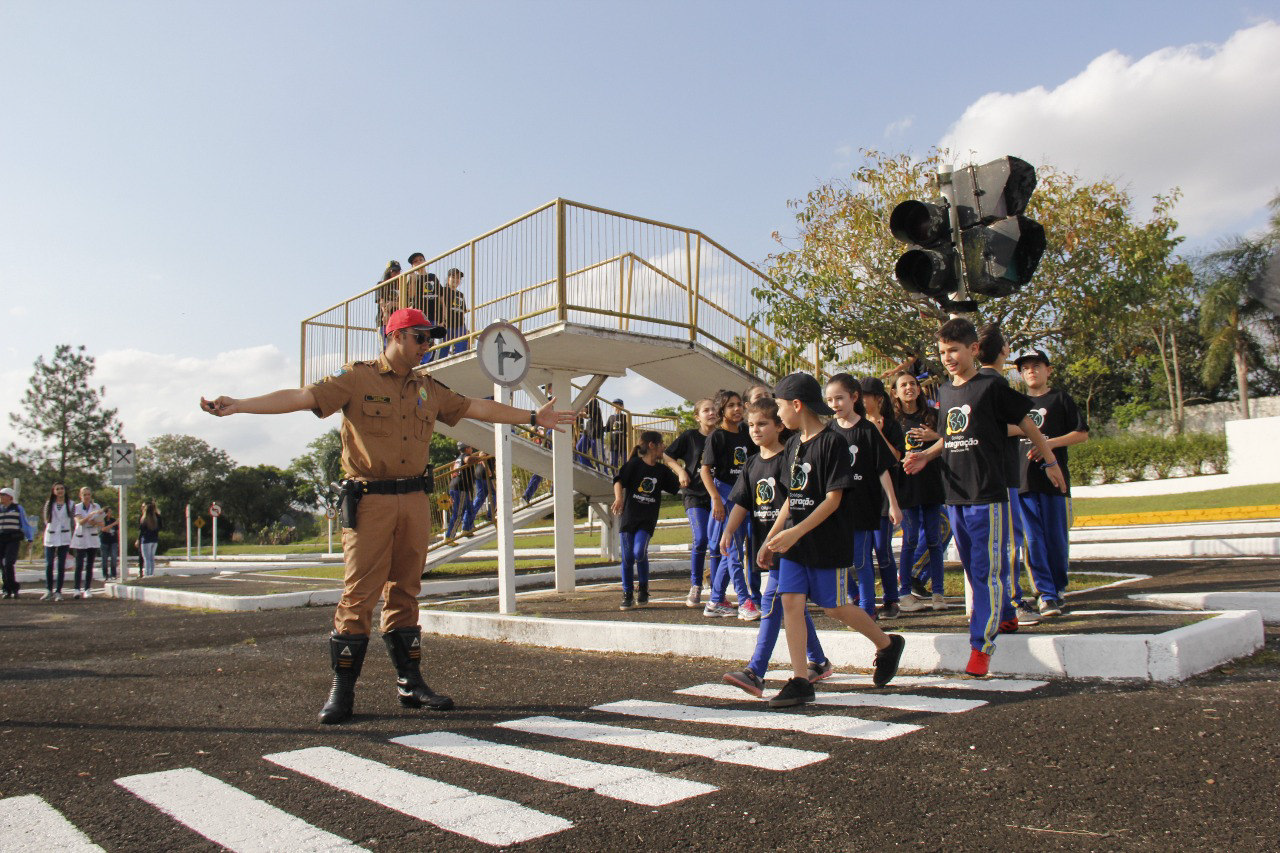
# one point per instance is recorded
(96, 691)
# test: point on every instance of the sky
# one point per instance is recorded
(181, 183)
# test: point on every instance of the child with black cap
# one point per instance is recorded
(811, 537)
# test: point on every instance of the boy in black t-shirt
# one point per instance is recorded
(758, 497)
(815, 546)
(637, 497)
(1045, 509)
(975, 412)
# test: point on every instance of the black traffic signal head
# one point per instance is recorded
(993, 190)
(928, 267)
(1001, 257)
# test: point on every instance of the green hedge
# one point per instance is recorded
(1112, 460)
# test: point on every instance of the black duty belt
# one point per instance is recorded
(402, 486)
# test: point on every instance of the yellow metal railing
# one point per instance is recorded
(567, 262)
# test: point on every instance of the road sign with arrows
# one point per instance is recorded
(503, 353)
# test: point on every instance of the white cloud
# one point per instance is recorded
(18, 311)
(894, 128)
(159, 393)
(1201, 117)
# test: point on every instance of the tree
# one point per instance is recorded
(315, 470)
(176, 470)
(683, 415)
(255, 497)
(1100, 266)
(63, 415)
(1230, 318)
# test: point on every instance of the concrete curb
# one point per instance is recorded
(1171, 656)
(1266, 603)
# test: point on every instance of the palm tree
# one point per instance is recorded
(1229, 313)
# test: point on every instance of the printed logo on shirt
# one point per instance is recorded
(764, 490)
(853, 455)
(1037, 416)
(647, 485)
(800, 476)
(739, 455)
(958, 419)
(913, 443)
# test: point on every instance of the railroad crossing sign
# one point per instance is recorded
(124, 464)
(215, 509)
(503, 353)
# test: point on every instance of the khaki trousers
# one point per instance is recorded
(384, 557)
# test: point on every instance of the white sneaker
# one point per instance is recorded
(911, 604)
(57, 596)
(939, 602)
(694, 598)
(46, 596)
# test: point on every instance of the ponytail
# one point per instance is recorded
(648, 438)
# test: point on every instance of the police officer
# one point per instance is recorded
(389, 413)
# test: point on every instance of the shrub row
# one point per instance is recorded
(1148, 457)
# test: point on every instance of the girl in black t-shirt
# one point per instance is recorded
(725, 453)
(870, 462)
(875, 399)
(637, 497)
(925, 529)
(684, 458)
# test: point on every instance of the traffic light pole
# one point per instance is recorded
(960, 296)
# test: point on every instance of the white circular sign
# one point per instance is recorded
(331, 512)
(215, 510)
(503, 354)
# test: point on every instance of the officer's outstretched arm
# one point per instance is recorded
(499, 413)
(275, 403)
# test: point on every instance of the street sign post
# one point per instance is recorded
(503, 354)
(330, 512)
(122, 459)
(199, 523)
(215, 510)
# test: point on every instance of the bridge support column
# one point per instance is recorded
(608, 531)
(562, 483)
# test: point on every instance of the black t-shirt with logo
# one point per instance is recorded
(726, 452)
(813, 468)
(1012, 467)
(893, 434)
(453, 308)
(973, 419)
(868, 457)
(762, 491)
(923, 488)
(1056, 414)
(642, 488)
(687, 450)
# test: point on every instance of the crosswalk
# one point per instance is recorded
(240, 821)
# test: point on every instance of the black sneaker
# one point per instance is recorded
(797, 691)
(819, 671)
(919, 589)
(890, 610)
(746, 680)
(643, 597)
(887, 660)
(628, 601)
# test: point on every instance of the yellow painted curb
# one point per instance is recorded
(1179, 516)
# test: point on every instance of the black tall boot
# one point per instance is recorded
(405, 646)
(346, 654)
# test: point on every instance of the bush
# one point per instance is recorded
(1110, 460)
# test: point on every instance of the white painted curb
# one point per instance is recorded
(1171, 656)
(1266, 603)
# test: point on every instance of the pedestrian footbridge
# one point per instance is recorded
(596, 293)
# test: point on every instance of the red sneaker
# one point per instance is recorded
(1009, 626)
(979, 663)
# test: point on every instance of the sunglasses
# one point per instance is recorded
(420, 338)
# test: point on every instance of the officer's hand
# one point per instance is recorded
(220, 406)
(551, 419)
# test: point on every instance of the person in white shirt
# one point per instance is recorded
(57, 539)
(84, 539)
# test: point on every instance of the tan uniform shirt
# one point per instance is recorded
(387, 419)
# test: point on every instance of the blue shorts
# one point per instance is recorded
(825, 587)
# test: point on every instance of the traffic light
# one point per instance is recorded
(928, 267)
(1001, 247)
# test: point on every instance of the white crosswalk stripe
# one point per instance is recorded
(744, 752)
(916, 682)
(488, 819)
(618, 782)
(228, 816)
(832, 726)
(28, 823)
(848, 699)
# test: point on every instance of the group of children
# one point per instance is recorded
(821, 476)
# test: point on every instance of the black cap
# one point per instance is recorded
(802, 387)
(872, 385)
(417, 255)
(1031, 355)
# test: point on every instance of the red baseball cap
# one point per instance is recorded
(412, 318)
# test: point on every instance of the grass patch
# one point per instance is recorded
(1260, 495)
